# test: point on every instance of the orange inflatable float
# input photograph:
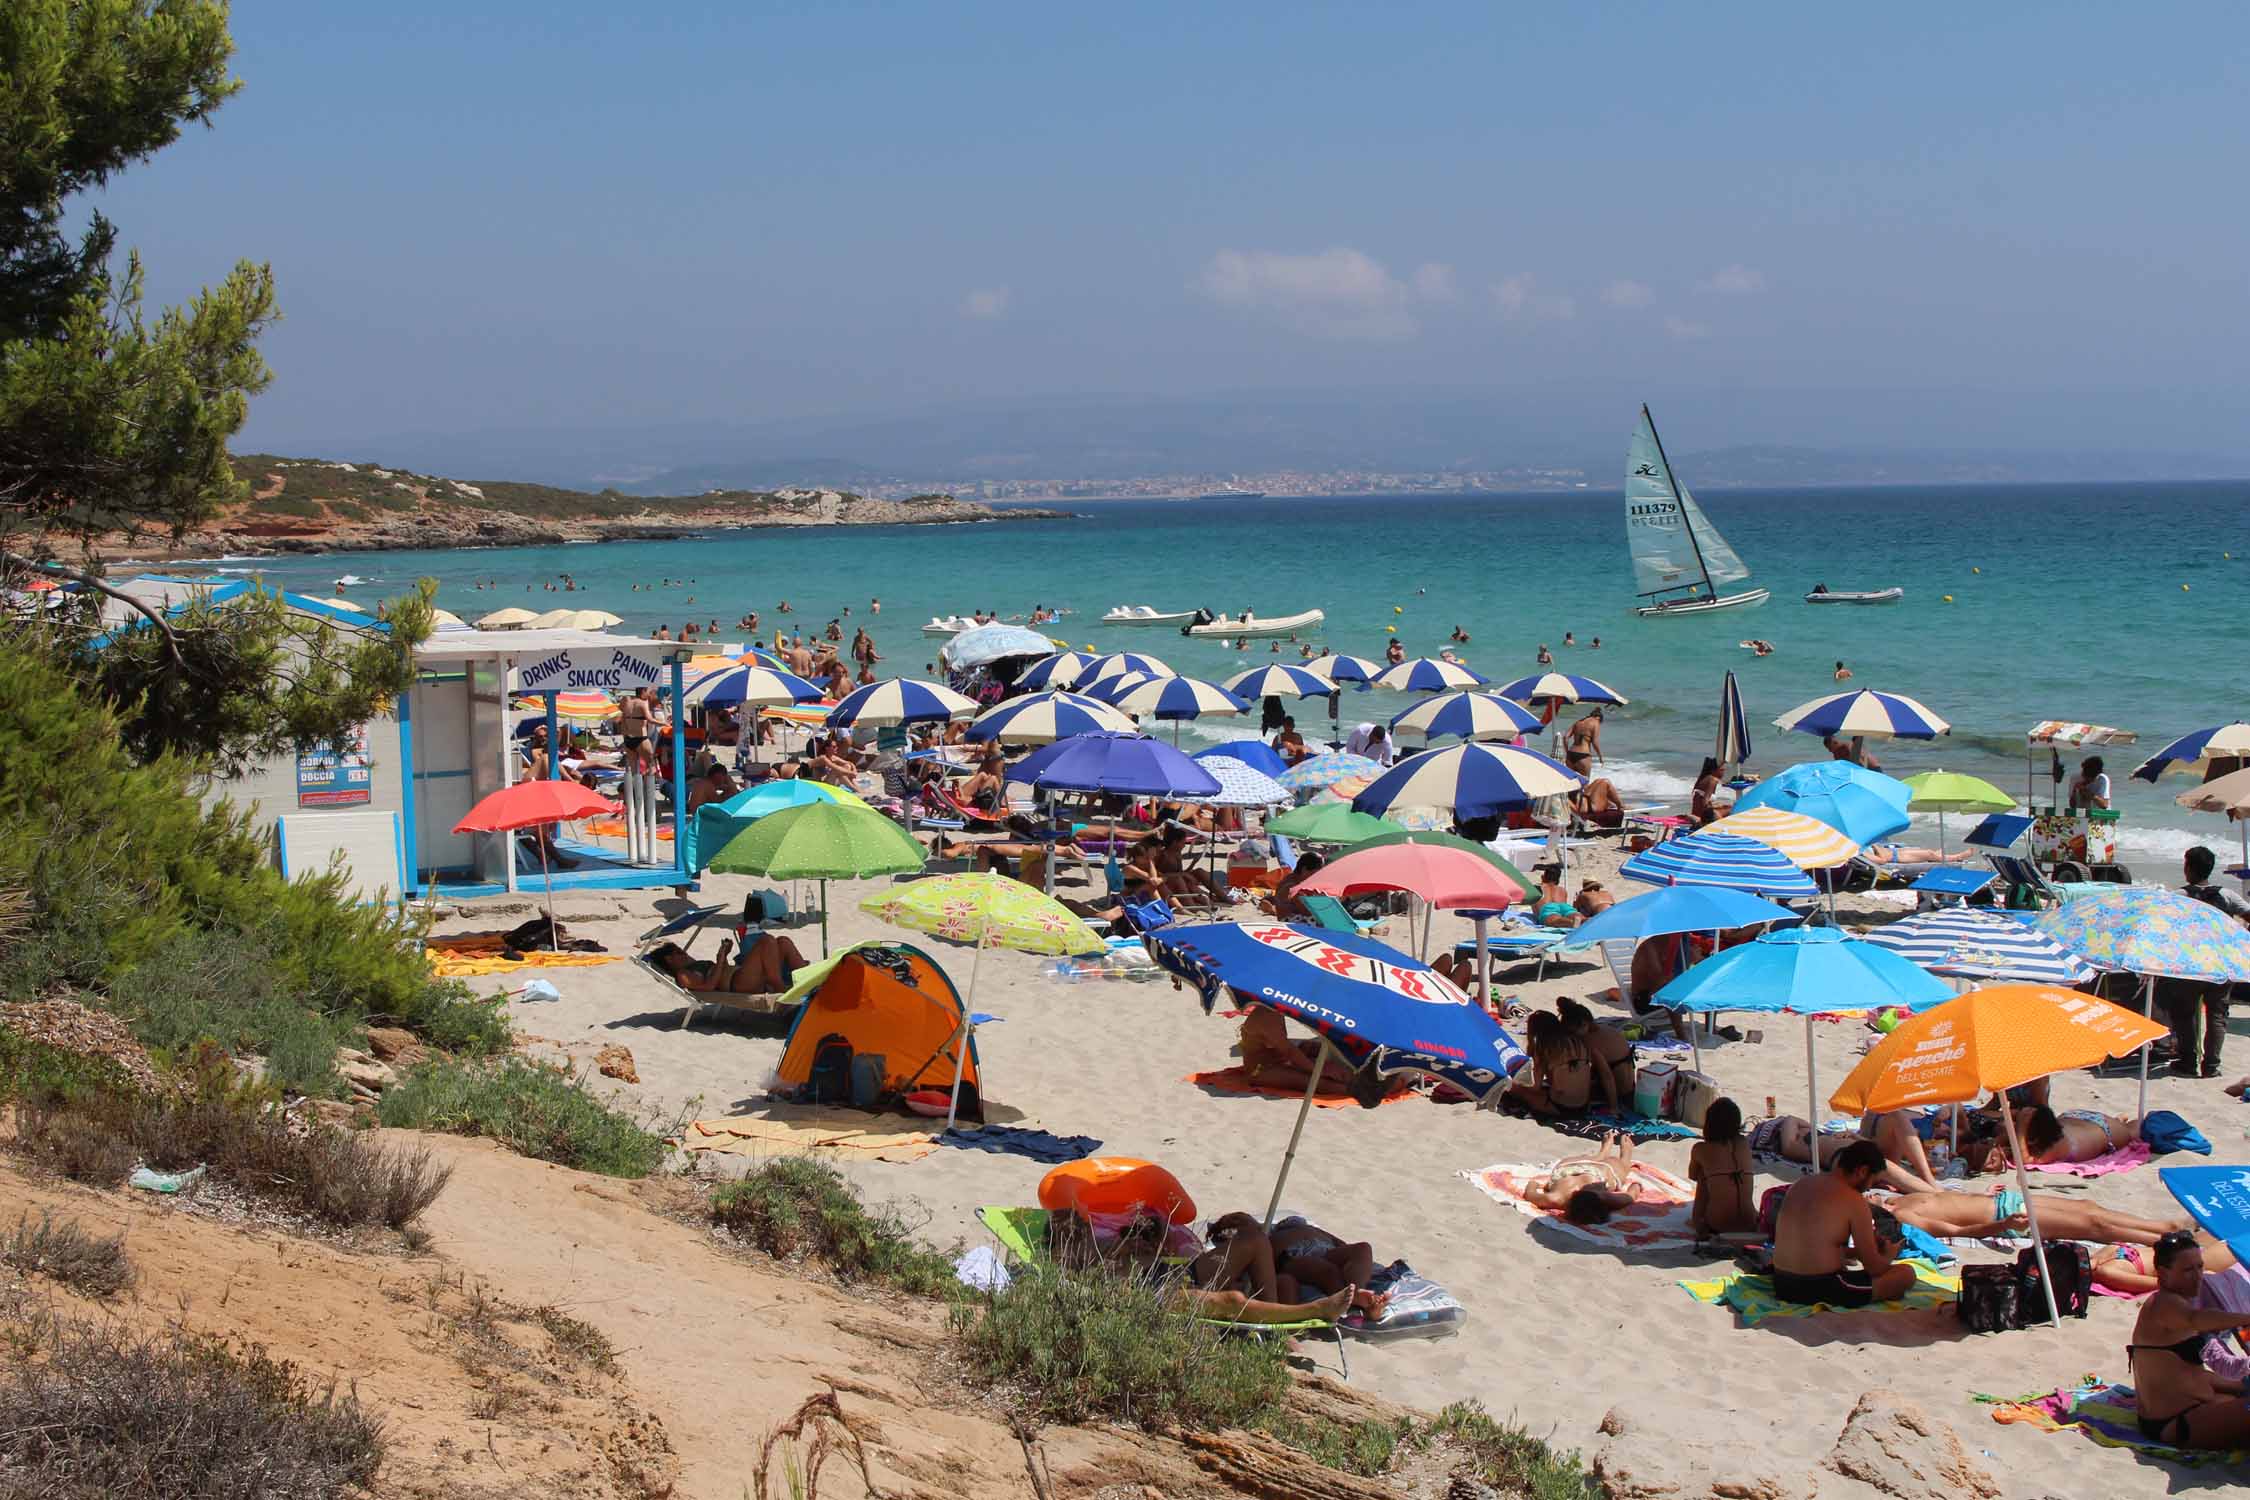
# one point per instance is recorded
(1115, 1185)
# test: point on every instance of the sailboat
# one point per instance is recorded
(1680, 561)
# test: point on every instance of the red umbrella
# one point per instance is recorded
(534, 804)
(1443, 875)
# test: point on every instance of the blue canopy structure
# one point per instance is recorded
(1998, 831)
(985, 644)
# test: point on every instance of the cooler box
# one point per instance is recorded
(1652, 1088)
(1692, 1093)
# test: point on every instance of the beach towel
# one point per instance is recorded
(805, 1130)
(1753, 1297)
(1015, 1140)
(1236, 1080)
(2126, 1157)
(1657, 1219)
(2103, 1411)
(449, 965)
(2165, 1131)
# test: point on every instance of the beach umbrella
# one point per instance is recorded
(1472, 716)
(1805, 971)
(440, 619)
(1240, 785)
(1381, 1011)
(1330, 823)
(1563, 687)
(2218, 1198)
(1720, 859)
(715, 823)
(1105, 689)
(982, 645)
(1968, 942)
(1427, 674)
(1279, 681)
(1116, 663)
(1339, 668)
(1060, 670)
(1256, 754)
(510, 618)
(1043, 718)
(1126, 762)
(1942, 792)
(1860, 804)
(1439, 869)
(1808, 843)
(535, 804)
(2219, 750)
(2229, 794)
(899, 700)
(2154, 932)
(1864, 714)
(579, 707)
(1326, 769)
(572, 619)
(1472, 780)
(1988, 1041)
(1734, 725)
(1676, 909)
(1175, 698)
(755, 686)
(984, 909)
(821, 841)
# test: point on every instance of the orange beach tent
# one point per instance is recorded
(890, 1001)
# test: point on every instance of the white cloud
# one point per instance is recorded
(1338, 293)
(1682, 328)
(1519, 299)
(1433, 282)
(1628, 294)
(986, 303)
(1735, 281)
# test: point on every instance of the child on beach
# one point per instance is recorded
(1724, 1177)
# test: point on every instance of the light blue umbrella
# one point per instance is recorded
(1826, 775)
(1677, 909)
(1804, 971)
(1721, 859)
(1241, 785)
(1848, 798)
(983, 645)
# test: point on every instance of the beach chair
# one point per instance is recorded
(940, 808)
(1510, 946)
(1022, 1233)
(2028, 887)
(1617, 956)
(694, 1002)
(1332, 914)
(1148, 916)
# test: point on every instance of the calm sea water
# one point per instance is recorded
(2117, 604)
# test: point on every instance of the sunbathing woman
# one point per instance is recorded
(1587, 1189)
(1596, 803)
(2181, 1402)
(1612, 1054)
(1725, 1178)
(2131, 1269)
(768, 966)
(1234, 1280)
(1562, 1069)
(1907, 1164)
(986, 789)
(2070, 1135)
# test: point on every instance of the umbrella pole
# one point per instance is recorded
(1312, 1086)
(961, 1058)
(547, 878)
(2244, 878)
(823, 916)
(1812, 1096)
(2031, 1208)
(1484, 967)
(1941, 834)
(2148, 1009)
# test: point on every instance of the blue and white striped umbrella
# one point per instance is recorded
(1107, 689)
(1043, 718)
(1337, 667)
(1723, 859)
(1971, 943)
(1058, 671)
(899, 700)
(1560, 685)
(2195, 753)
(1122, 661)
(1734, 725)
(1865, 712)
(752, 685)
(1472, 716)
(1472, 781)
(1175, 698)
(1427, 674)
(1326, 769)
(1241, 785)
(1278, 682)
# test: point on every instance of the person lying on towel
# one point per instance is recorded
(2069, 1135)
(1588, 1189)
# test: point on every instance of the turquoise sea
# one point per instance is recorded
(2117, 604)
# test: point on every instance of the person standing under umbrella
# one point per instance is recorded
(2215, 1000)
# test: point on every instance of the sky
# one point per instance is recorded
(557, 215)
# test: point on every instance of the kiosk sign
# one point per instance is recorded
(593, 669)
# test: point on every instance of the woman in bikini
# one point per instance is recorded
(2069, 1135)
(768, 966)
(2180, 1402)
(1587, 1189)
(1723, 1174)
(1614, 1069)
(1562, 1070)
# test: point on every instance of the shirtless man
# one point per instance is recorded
(1906, 1166)
(1825, 1223)
(1976, 1215)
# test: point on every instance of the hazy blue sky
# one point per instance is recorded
(559, 213)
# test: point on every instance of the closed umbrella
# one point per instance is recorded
(1472, 716)
(899, 701)
(1734, 727)
(1427, 674)
(1281, 681)
(1942, 792)
(821, 841)
(1865, 714)
(535, 804)
(1808, 843)
(1720, 859)
(1989, 1041)
(1042, 718)
(1472, 780)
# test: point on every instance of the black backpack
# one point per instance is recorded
(1988, 1299)
(830, 1081)
(2073, 1270)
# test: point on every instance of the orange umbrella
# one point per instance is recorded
(1989, 1041)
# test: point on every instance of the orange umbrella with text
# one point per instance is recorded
(535, 804)
(1988, 1041)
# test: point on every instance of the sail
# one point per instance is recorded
(1663, 554)
(1721, 563)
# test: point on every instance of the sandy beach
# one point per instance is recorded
(1559, 1331)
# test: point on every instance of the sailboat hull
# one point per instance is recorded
(1748, 599)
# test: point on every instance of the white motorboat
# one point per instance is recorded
(350, 580)
(1661, 518)
(1252, 625)
(1142, 614)
(1826, 595)
(949, 625)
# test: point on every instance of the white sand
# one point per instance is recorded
(1558, 1330)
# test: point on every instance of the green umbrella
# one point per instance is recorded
(821, 841)
(1331, 823)
(1942, 792)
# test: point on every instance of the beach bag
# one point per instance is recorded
(2073, 1271)
(830, 1079)
(1988, 1299)
(765, 907)
(869, 1069)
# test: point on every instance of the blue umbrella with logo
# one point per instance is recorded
(1381, 1011)
(2218, 1198)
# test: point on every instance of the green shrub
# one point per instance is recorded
(537, 1109)
(1510, 1459)
(795, 1209)
(202, 985)
(34, 1070)
(91, 1263)
(288, 505)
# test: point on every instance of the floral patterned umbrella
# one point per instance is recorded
(1315, 772)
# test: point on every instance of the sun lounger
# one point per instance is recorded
(1514, 946)
(693, 1002)
(2028, 887)
(1331, 914)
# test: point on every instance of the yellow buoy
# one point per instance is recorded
(1976, 570)
(2183, 588)
(1949, 598)
(1398, 609)
(1390, 630)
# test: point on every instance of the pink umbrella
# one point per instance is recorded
(1442, 875)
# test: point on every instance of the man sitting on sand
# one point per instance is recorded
(1825, 1225)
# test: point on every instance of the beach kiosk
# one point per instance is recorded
(456, 736)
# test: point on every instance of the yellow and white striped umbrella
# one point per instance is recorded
(1807, 843)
